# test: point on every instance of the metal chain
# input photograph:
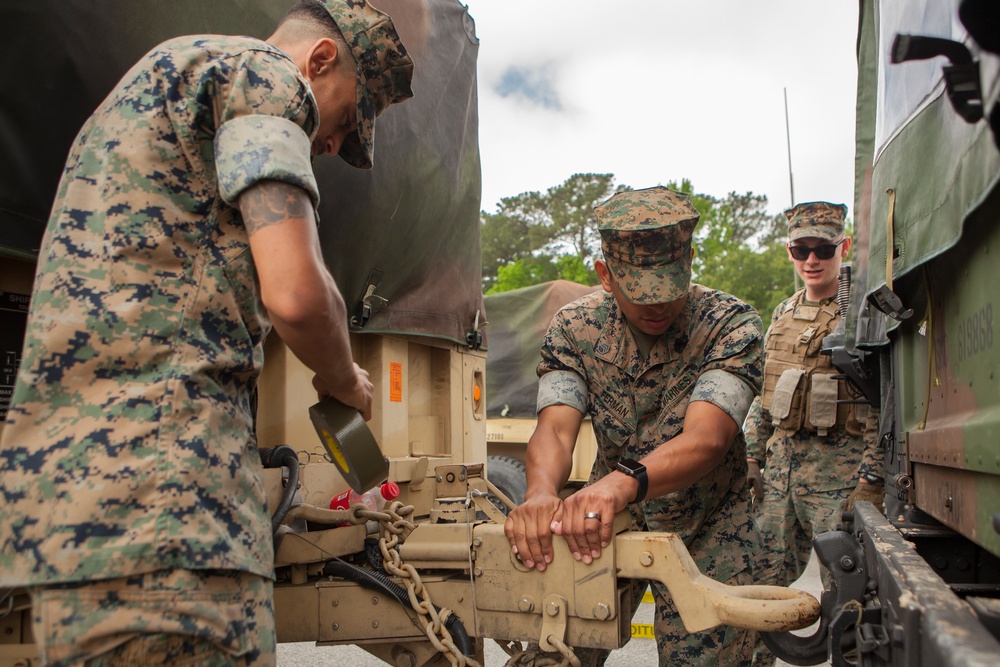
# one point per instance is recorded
(394, 528)
(569, 657)
(533, 656)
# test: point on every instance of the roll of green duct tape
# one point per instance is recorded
(350, 444)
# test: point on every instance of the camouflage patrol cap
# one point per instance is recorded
(384, 71)
(817, 220)
(646, 239)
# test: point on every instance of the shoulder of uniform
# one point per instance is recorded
(595, 304)
(713, 298)
(789, 303)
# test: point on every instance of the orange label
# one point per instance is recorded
(395, 382)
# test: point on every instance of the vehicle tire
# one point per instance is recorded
(509, 475)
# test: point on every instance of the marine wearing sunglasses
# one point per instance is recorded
(818, 265)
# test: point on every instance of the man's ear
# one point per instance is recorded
(604, 273)
(845, 247)
(322, 57)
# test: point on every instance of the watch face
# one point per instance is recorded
(631, 466)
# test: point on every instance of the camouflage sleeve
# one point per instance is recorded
(737, 349)
(562, 388)
(872, 462)
(560, 349)
(265, 117)
(726, 391)
(758, 430)
(778, 310)
(250, 149)
(262, 83)
(562, 377)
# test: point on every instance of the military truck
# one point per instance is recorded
(426, 579)
(517, 322)
(920, 585)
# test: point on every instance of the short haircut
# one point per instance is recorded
(309, 19)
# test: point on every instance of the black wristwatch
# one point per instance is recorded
(636, 470)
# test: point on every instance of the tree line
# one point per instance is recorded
(535, 237)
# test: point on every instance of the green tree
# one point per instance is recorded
(540, 269)
(526, 240)
(740, 250)
(570, 211)
(572, 267)
(514, 232)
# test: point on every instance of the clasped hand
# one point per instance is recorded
(585, 519)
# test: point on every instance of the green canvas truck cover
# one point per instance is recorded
(518, 320)
(413, 218)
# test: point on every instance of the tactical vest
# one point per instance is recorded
(800, 390)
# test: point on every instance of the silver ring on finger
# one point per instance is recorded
(592, 515)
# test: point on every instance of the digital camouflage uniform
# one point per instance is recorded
(807, 477)
(808, 471)
(591, 360)
(129, 468)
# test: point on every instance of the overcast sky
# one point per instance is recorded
(654, 91)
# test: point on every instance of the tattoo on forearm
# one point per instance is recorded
(271, 202)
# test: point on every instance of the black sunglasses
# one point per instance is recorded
(825, 251)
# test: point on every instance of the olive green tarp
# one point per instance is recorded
(415, 216)
(911, 141)
(518, 320)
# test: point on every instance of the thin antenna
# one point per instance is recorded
(788, 140)
(791, 180)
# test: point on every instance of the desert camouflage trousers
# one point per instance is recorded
(723, 646)
(787, 524)
(181, 618)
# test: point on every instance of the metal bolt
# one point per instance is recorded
(602, 612)
(336, 602)
(404, 658)
(438, 478)
(646, 558)
(478, 571)
(847, 563)
(477, 542)
(336, 626)
(552, 609)
(525, 605)
(374, 600)
(374, 624)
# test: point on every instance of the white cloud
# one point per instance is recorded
(657, 90)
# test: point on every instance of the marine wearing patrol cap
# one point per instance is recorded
(816, 220)
(385, 71)
(646, 240)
